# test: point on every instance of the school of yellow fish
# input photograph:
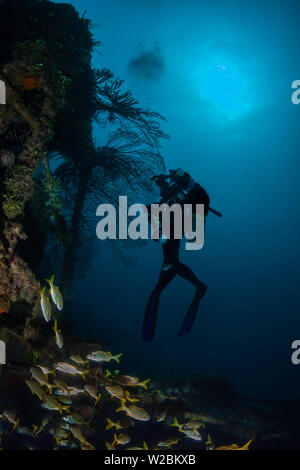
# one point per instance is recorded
(69, 426)
(50, 385)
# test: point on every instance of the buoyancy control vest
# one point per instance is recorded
(179, 187)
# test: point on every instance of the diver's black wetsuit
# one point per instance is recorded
(171, 267)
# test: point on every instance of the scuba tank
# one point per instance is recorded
(172, 185)
(179, 187)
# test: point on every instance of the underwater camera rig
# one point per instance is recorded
(176, 186)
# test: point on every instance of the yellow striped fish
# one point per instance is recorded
(103, 356)
(129, 381)
(40, 377)
(118, 392)
(45, 305)
(35, 388)
(121, 440)
(11, 417)
(235, 446)
(93, 392)
(58, 336)
(134, 412)
(55, 294)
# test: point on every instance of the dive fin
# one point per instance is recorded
(150, 317)
(192, 311)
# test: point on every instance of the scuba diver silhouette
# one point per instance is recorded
(178, 186)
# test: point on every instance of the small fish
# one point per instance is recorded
(189, 432)
(11, 416)
(195, 424)
(38, 429)
(70, 369)
(78, 359)
(79, 436)
(35, 388)
(129, 381)
(24, 431)
(161, 416)
(61, 385)
(109, 446)
(160, 396)
(48, 406)
(45, 305)
(58, 336)
(169, 442)
(40, 377)
(177, 425)
(145, 447)
(65, 400)
(118, 392)
(74, 418)
(134, 412)
(60, 434)
(93, 392)
(52, 404)
(70, 392)
(55, 294)
(235, 446)
(189, 427)
(46, 370)
(103, 356)
(121, 440)
(112, 424)
(192, 434)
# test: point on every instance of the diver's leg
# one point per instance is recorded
(201, 289)
(184, 271)
(151, 311)
(167, 273)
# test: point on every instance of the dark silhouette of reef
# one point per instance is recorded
(53, 97)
